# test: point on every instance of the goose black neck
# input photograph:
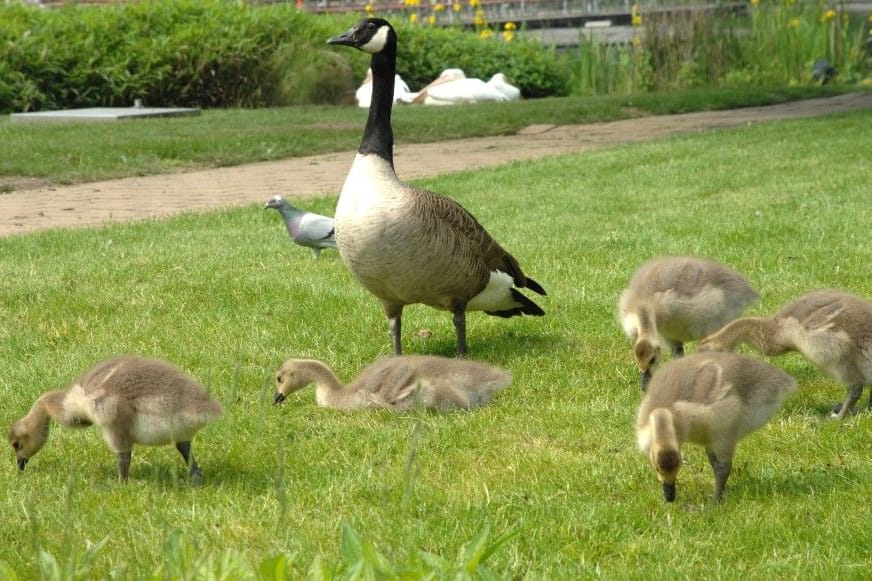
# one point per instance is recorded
(378, 137)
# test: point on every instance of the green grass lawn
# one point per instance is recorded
(65, 153)
(227, 297)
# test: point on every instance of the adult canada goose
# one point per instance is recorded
(407, 245)
(710, 399)
(831, 328)
(397, 383)
(305, 228)
(134, 400)
(673, 300)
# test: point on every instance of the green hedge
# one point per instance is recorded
(210, 53)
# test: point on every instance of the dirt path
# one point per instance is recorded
(147, 197)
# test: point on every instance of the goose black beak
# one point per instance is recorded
(280, 397)
(646, 379)
(669, 492)
(344, 39)
(22, 462)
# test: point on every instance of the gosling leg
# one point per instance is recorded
(184, 449)
(721, 469)
(843, 409)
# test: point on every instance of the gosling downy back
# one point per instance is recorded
(407, 245)
(134, 400)
(397, 383)
(710, 399)
(831, 328)
(673, 300)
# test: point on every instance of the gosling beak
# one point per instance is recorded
(22, 462)
(280, 397)
(669, 491)
(646, 379)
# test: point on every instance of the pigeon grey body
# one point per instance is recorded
(305, 228)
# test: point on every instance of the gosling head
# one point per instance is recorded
(666, 462)
(647, 355)
(289, 379)
(26, 442)
(370, 35)
(710, 343)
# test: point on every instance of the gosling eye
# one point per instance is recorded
(278, 378)
(16, 445)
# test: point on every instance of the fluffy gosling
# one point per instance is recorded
(710, 399)
(397, 383)
(673, 300)
(134, 400)
(831, 328)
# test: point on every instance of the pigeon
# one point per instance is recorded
(822, 72)
(306, 229)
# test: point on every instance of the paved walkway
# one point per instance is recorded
(164, 195)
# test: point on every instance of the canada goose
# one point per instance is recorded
(673, 300)
(305, 228)
(407, 245)
(134, 400)
(710, 399)
(397, 383)
(831, 328)
(363, 94)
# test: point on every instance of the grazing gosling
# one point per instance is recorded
(710, 399)
(673, 300)
(831, 328)
(397, 383)
(134, 400)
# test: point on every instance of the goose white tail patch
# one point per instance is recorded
(496, 296)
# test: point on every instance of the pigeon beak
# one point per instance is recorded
(22, 462)
(669, 491)
(646, 378)
(280, 397)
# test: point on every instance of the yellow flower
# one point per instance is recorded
(439, 7)
(456, 7)
(413, 17)
(754, 2)
(793, 23)
(866, 83)
(369, 9)
(431, 20)
(636, 20)
(474, 3)
(486, 33)
(789, 2)
(828, 15)
(510, 26)
(508, 35)
(478, 21)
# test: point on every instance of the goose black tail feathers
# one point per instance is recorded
(527, 307)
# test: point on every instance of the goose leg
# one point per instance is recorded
(722, 471)
(123, 465)
(460, 327)
(395, 319)
(843, 409)
(184, 449)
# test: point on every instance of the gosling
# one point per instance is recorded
(397, 383)
(673, 300)
(831, 328)
(134, 400)
(710, 399)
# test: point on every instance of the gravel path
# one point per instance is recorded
(27, 210)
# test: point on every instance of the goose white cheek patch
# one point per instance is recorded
(377, 42)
